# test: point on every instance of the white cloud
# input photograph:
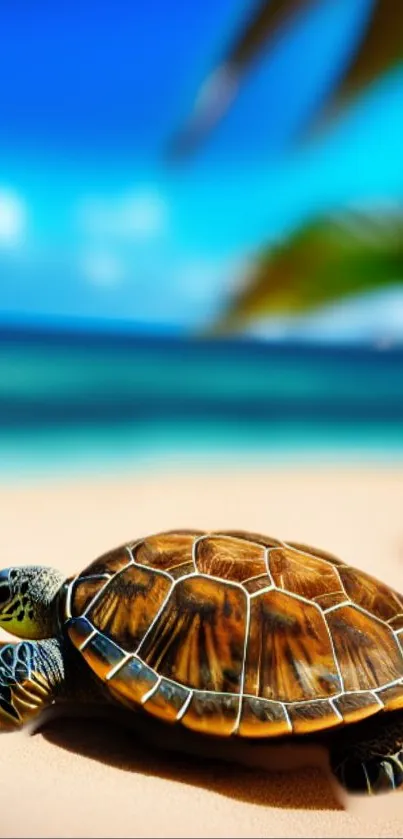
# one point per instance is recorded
(12, 218)
(196, 278)
(136, 215)
(144, 214)
(103, 268)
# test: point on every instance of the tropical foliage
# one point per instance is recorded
(323, 261)
(377, 51)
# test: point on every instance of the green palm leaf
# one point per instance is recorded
(324, 261)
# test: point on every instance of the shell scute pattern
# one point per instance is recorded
(262, 718)
(212, 713)
(367, 651)
(231, 632)
(318, 552)
(132, 682)
(370, 594)
(166, 551)
(167, 700)
(113, 613)
(357, 706)
(93, 578)
(310, 577)
(109, 563)
(101, 653)
(217, 557)
(289, 655)
(199, 637)
(305, 716)
(396, 622)
(258, 538)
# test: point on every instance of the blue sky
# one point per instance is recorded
(93, 224)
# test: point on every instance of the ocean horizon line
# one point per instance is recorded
(31, 326)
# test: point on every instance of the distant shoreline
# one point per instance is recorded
(76, 398)
(116, 332)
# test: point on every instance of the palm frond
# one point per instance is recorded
(324, 261)
(378, 50)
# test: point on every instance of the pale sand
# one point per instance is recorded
(79, 779)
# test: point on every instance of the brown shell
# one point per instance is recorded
(239, 633)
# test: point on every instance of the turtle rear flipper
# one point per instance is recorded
(31, 673)
(374, 763)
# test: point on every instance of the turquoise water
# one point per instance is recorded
(73, 400)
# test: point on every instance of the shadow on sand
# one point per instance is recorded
(151, 748)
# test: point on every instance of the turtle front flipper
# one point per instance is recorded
(373, 762)
(31, 673)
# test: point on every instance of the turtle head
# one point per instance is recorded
(27, 600)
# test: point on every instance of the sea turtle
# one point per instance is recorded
(228, 634)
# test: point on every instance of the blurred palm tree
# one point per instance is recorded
(340, 256)
(326, 259)
(378, 50)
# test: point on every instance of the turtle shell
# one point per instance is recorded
(237, 633)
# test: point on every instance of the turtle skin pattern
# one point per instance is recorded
(237, 633)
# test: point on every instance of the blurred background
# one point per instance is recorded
(201, 233)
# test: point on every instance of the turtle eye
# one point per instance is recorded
(5, 593)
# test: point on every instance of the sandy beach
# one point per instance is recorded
(85, 778)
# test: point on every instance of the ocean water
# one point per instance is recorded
(73, 399)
